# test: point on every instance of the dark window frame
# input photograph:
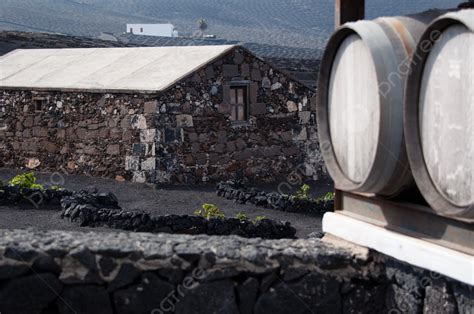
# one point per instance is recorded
(39, 104)
(245, 86)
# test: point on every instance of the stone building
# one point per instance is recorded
(156, 114)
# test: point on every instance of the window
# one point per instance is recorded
(141, 29)
(39, 104)
(239, 103)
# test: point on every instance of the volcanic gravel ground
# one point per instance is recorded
(156, 201)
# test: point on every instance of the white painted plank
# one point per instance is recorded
(411, 250)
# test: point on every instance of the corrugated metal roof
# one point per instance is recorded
(143, 69)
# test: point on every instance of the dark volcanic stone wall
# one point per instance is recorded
(81, 133)
(197, 142)
(182, 135)
(62, 272)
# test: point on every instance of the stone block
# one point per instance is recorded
(172, 135)
(148, 296)
(221, 136)
(258, 109)
(50, 147)
(238, 58)
(193, 137)
(40, 132)
(253, 92)
(291, 151)
(162, 177)
(210, 72)
(188, 160)
(138, 121)
(230, 146)
(291, 106)
(245, 70)
(230, 70)
(256, 75)
(219, 148)
(151, 107)
(140, 149)
(213, 297)
(132, 163)
(139, 177)
(315, 293)
(242, 155)
(195, 147)
(184, 120)
(149, 164)
(30, 294)
(28, 123)
(113, 149)
(85, 299)
(272, 151)
(148, 136)
(240, 144)
(300, 135)
(305, 117)
(127, 136)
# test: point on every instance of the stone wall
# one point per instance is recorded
(62, 272)
(182, 135)
(81, 133)
(197, 142)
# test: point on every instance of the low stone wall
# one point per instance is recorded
(233, 190)
(67, 272)
(92, 209)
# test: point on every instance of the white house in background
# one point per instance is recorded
(164, 30)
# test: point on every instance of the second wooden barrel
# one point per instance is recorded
(360, 102)
(439, 115)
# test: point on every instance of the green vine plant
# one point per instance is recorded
(26, 180)
(329, 196)
(259, 218)
(241, 216)
(303, 192)
(209, 211)
(57, 188)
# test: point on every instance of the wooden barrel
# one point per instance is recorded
(360, 102)
(439, 115)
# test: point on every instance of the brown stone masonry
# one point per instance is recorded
(80, 132)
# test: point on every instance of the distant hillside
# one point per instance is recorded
(292, 23)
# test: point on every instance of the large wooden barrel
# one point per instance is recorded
(439, 115)
(360, 102)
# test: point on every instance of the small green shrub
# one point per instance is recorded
(329, 196)
(57, 188)
(258, 218)
(303, 192)
(26, 180)
(210, 211)
(241, 216)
